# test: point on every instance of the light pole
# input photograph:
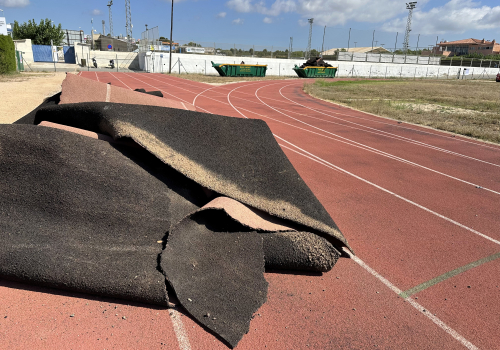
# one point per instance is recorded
(171, 30)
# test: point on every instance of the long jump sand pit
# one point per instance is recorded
(21, 93)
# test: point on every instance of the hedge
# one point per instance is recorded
(7, 55)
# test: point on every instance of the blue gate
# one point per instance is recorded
(69, 54)
(42, 53)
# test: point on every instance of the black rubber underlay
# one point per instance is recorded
(81, 214)
(154, 93)
(217, 275)
(236, 157)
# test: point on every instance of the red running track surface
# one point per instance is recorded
(419, 207)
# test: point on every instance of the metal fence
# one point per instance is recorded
(387, 58)
(470, 62)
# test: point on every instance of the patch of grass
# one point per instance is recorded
(215, 79)
(470, 108)
(16, 76)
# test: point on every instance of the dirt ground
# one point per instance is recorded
(21, 93)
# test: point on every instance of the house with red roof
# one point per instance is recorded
(467, 46)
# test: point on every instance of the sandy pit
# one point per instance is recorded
(22, 93)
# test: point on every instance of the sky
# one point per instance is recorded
(273, 22)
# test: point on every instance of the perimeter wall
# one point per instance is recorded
(189, 64)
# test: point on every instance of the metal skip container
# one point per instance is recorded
(315, 72)
(240, 70)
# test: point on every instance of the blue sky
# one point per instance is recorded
(258, 22)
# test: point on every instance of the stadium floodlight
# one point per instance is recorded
(409, 6)
(171, 30)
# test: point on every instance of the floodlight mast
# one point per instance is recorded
(128, 15)
(110, 3)
(409, 6)
(308, 50)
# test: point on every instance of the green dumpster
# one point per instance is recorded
(316, 72)
(240, 70)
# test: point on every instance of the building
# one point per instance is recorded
(376, 50)
(466, 46)
(107, 43)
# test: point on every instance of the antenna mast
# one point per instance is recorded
(128, 25)
(308, 50)
(409, 6)
(110, 19)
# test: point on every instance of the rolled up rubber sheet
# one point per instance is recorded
(130, 201)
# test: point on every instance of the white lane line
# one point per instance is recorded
(395, 195)
(352, 143)
(423, 144)
(418, 128)
(416, 305)
(305, 155)
(374, 150)
(179, 330)
(377, 131)
(97, 77)
(120, 80)
(108, 92)
(375, 185)
(355, 144)
(165, 92)
(396, 290)
(484, 145)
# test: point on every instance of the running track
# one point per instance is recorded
(419, 207)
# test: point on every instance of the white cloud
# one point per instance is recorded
(456, 16)
(267, 20)
(238, 21)
(221, 15)
(96, 12)
(14, 3)
(326, 12)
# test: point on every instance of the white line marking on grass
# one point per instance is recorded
(413, 303)
(179, 330)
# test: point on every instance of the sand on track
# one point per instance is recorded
(22, 93)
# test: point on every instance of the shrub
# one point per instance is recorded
(7, 55)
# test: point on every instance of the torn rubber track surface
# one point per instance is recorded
(238, 158)
(86, 214)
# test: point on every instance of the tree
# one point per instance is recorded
(7, 55)
(40, 34)
(193, 44)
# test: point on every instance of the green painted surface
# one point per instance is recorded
(448, 275)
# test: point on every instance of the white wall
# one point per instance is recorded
(82, 51)
(127, 60)
(25, 47)
(201, 64)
